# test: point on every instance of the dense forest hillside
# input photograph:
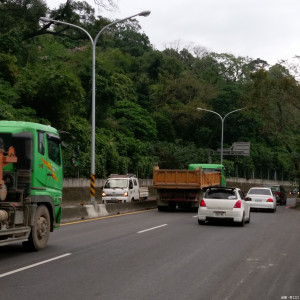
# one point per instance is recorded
(146, 100)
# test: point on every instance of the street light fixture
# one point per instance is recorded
(222, 119)
(94, 42)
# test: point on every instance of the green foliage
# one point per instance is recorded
(7, 93)
(133, 121)
(129, 40)
(8, 68)
(6, 111)
(179, 155)
(54, 93)
(11, 41)
(123, 88)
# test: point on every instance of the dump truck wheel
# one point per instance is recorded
(162, 208)
(40, 231)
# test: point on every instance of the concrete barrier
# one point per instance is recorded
(71, 213)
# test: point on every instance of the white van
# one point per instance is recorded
(123, 188)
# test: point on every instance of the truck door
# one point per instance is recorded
(54, 164)
(47, 173)
(136, 189)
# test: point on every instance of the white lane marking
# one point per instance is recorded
(34, 265)
(195, 216)
(152, 228)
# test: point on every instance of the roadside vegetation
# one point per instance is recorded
(146, 100)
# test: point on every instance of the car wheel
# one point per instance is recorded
(242, 223)
(201, 222)
(248, 221)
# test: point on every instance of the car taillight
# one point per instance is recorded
(270, 200)
(238, 204)
(202, 203)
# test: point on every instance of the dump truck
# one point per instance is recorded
(182, 188)
(31, 180)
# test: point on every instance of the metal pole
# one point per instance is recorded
(93, 146)
(222, 138)
(222, 131)
(94, 42)
(223, 119)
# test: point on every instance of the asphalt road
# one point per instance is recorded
(160, 255)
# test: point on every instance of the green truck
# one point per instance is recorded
(31, 179)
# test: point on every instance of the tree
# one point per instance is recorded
(132, 120)
(8, 68)
(54, 93)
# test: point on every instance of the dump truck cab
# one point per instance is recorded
(31, 179)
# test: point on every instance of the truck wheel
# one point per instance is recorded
(162, 208)
(39, 235)
(172, 206)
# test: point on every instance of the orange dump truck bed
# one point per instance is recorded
(184, 179)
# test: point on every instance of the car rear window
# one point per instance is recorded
(260, 192)
(220, 194)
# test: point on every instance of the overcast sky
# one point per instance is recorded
(266, 29)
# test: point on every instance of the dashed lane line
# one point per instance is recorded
(34, 265)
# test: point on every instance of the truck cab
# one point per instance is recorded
(31, 178)
(120, 189)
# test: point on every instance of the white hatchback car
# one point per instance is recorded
(222, 203)
(261, 198)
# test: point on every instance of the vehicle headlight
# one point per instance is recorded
(125, 194)
(103, 194)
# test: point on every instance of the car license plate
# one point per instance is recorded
(219, 213)
(258, 200)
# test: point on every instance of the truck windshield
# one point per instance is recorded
(116, 183)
